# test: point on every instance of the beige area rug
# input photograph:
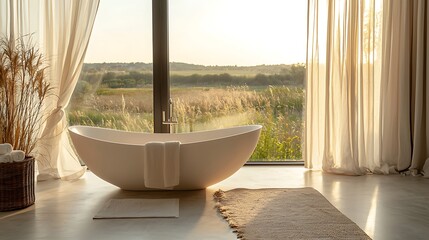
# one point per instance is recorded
(296, 213)
(139, 208)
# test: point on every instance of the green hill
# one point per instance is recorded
(179, 68)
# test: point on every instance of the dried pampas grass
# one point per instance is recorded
(23, 91)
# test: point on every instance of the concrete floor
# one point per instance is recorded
(385, 207)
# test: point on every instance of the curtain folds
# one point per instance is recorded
(62, 29)
(67, 29)
(420, 87)
(19, 18)
(366, 99)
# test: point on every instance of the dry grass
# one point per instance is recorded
(23, 90)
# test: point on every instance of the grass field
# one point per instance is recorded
(278, 109)
(232, 72)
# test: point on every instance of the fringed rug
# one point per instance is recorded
(296, 213)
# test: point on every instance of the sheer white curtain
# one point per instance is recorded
(19, 18)
(62, 28)
(365, 60)
(67, 29)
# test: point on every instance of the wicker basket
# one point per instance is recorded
(17, 184)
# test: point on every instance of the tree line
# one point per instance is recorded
(294, 76)
(91, 79)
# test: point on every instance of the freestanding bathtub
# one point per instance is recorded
(206, 157)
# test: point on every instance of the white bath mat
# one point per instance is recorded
(139, 208)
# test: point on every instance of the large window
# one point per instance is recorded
(238, 62)
(232, 62)
(115, 87)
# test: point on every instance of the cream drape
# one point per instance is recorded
(366, 86)
(420, 88)
(62, 28)
(19, 18)
(67, 29)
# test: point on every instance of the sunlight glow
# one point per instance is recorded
(372, 214)
(122, 32)
(210, 32)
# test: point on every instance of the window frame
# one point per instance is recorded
(161, 77)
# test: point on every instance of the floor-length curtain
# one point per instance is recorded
(342, 120)
(67, 26)
(366, 99)
(62, 29)
(420, 88)
(405, 92)
(395, 99)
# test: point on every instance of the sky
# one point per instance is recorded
(207, 32)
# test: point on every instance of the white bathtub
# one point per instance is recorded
(206, 157)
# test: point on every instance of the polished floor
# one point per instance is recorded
(385, 207)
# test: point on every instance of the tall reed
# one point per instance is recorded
(23, 91)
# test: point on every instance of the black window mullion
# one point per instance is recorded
(161, 76)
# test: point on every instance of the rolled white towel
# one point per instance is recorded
(5, 148)
(17, 155)
(5, 158)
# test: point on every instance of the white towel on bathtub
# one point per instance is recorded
(162, 164)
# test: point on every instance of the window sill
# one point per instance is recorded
(275, 163)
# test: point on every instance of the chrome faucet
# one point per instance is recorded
(172, 120)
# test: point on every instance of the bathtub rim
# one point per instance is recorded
(252, 128)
